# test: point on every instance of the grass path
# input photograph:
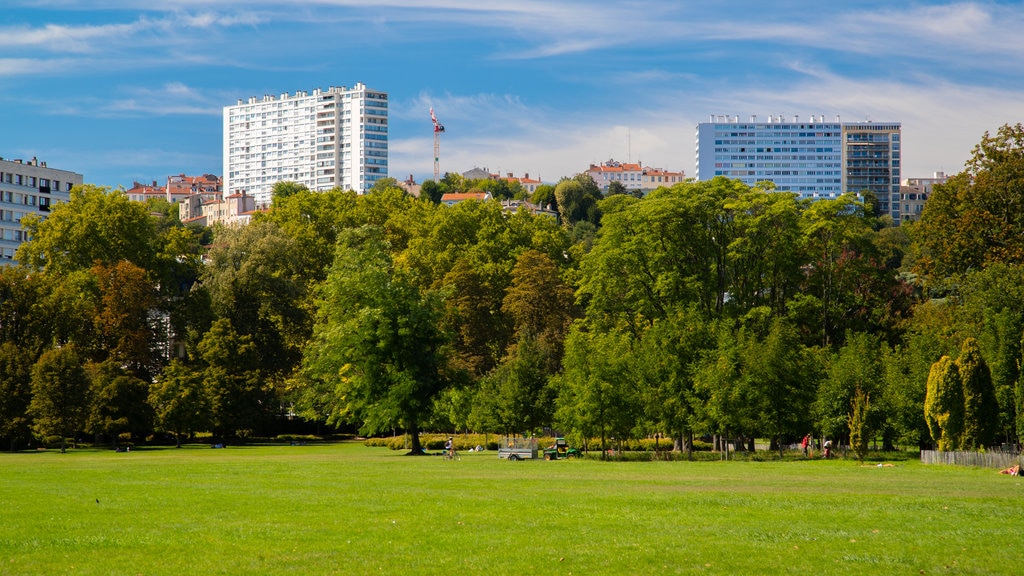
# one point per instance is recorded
(346, 509)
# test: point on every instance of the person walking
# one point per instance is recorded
(806, 443)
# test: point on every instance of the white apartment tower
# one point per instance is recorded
(28, 187)
(334, 138)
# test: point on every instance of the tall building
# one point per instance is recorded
(28, 188)
(814, 158)
(325, 139)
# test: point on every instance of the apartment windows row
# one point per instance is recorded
(34, 182)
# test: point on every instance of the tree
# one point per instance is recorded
(60, 394)
(981, 410)
(15, 392)
(977, 217)
(540, 304)
(179, 401)
(379, 354)
(239, 399)
(859, 431)
(856, 367)
(95, 225)
(616, 187)
(597, 397)
(777, 372)
(577, 200)
(432, 191)
(255, 281)
(122, 318)
(118, 403)
(944, 404)
(515, 397)
(284, 189)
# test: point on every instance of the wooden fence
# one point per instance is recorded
(981, 459)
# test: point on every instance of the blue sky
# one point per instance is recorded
(122, 90)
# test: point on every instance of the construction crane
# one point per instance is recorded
(438, 128)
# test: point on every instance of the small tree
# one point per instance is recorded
(60, 394)
(859, 432)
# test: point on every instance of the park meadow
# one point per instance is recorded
(343, 508)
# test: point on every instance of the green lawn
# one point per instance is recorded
(347, 509)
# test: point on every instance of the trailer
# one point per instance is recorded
(517, 448)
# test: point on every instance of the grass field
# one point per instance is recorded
(347, 509)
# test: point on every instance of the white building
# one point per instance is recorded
(815, 158)
(334, 138)
(633, 176)
(28, 188)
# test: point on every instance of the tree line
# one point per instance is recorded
(704, 309)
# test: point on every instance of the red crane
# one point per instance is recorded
(438, 128)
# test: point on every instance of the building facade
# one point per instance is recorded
(28, 188)
(634, 176)
(815, 158)
(334, 138)
(914, 192)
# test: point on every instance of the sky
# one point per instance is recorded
(124, 91)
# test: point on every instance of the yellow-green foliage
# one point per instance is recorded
(858, 424)
(944, 404)
(981, 409)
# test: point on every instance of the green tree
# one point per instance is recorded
(515, 397)
(860, 433)
(379, 354)
(597, 397)
(432, 191)
(944, 404)
(118, 403)
(981, 410)
(60, 394)
(239, 399)
(285, 189)
(857, 366)
(95, 225)
(254, 280)
(977, 217)
(15, 393)
(179, 401)
(781, 381)
(577, 200)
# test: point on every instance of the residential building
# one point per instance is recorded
(634, 176)
(815, 158)
(914, 192)
(143, 192)
(28, 188)
(232, 209)
(528, 184)
(334, 138)
(180, 186)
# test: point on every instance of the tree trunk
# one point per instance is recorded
(415, 448)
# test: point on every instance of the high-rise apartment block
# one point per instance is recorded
(325, 139)
(28, 188)
(814, 158)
